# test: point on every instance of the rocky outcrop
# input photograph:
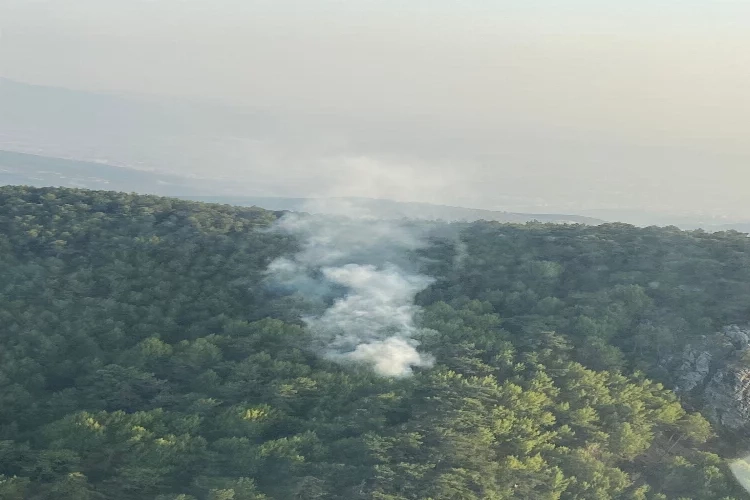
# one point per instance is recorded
(715, 373)
(727, 397)
(694, 370)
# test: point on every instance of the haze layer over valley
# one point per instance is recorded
(587, 111)
(35, 170)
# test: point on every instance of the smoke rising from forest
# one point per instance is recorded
(361, 269)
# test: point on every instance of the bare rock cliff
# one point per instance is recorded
(715, 373)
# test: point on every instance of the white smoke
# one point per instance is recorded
(365, 261)
(462, 253)
(741, 470)
(391, 357)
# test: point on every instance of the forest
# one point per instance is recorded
(148, 351)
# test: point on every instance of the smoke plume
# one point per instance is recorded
(360, 270)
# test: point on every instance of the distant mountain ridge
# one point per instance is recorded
(43, 171)
(390, 209)
(34, 170)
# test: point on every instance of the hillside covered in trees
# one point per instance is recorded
(150, 349)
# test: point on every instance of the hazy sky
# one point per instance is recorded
(569, 105)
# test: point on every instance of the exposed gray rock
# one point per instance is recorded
(727, 397)
(716, 373)
(694, 369)
(739, 337)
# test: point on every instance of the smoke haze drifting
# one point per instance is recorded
(523, 106)
(363, 266)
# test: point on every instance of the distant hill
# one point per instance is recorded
(741, 227)
(143, 132)
(646, 218)
(33, 170)
(390, 209)
(36, 170)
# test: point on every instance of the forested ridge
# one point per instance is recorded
(143, 356)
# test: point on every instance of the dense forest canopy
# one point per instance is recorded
(148, 351)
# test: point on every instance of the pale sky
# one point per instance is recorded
(566, 105)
